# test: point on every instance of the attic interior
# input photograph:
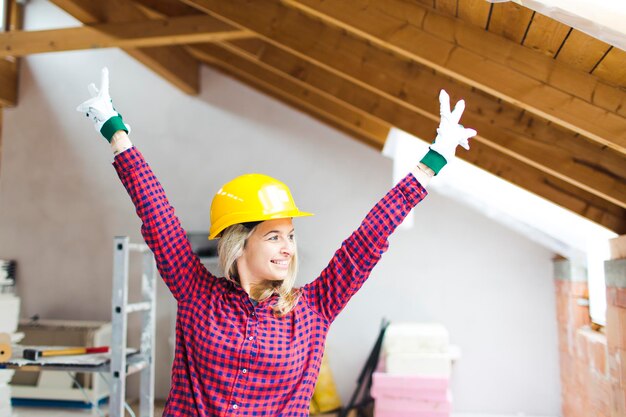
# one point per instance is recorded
(313, 92)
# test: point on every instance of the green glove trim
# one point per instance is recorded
(434, 160)
(111, 126)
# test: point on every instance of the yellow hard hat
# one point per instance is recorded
(251, 198)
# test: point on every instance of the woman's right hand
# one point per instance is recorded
(100, 109)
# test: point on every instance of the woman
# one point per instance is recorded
(250, 344)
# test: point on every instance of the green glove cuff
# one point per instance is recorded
(111, 126)
(434, 161)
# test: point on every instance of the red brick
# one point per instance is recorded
(567, 370)
(616, 327)
(573, 289)
(616, 297)
(571, 314)
(618, 401)
(582, 345)
(562, 313)
(599, 396)
(598, 354)
(616, 361)
(566, 340)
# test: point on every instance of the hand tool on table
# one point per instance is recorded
(34, 354)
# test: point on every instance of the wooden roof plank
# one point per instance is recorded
(546, 35)
(10, 66)
(613, 67)
(239, 54)
(510, 20)
(359, 125)
(476, 12)
(582, 52)
(482, 60)
(145, 33)
(402, 82)
(172, 63)
(169, 8)
(8, 82)
(449, 7)
(521, 136)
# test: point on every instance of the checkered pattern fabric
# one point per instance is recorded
(233, 358)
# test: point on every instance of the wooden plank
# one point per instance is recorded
(239, 53)
(400, 81)
(476, 12)
(522, 137)
(510, 20)
(483, 60)
(546, 35)
(10, 66)
(1, 120)
(357, 124)
(449, 7)
(613, 67)
(581, 51)
(146, 33)
(172, 63)
(8, 82)
(550, 188)
(610, 98)
(169, 8)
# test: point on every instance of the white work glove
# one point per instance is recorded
(100, 109)
(450, 134)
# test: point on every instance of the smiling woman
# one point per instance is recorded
(250, 343)
(262, 260)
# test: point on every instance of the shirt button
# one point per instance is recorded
(244, 370)
(235, 406)
(251, 338)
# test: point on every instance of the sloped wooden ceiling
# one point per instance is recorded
(548, 101)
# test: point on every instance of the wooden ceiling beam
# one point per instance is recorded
(252, 58)
(330, 111)
(8, 82)
(9, 66)
(145, 33)
(513, 73)
(167, 7)
(173, 63)
(395, 79)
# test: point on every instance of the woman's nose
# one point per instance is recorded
(288, 247)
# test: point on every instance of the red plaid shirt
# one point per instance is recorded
(236, 359)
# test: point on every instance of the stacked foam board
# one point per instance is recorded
(9, 311)
(413, 376)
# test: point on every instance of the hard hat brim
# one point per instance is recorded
(238, 218)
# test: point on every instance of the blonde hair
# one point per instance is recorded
(230, 247)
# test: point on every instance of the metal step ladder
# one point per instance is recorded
(121, 366)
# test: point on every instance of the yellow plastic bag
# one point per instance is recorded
(325, 396)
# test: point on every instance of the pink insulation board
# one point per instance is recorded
(406, 405)
(434, 389)
(384, 413)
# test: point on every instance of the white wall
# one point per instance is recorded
(61, 203)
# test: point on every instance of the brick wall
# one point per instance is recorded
(615, 273)
(572, 315)
(592, 363)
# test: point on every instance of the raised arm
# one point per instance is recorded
(354, 260)
(179, 267)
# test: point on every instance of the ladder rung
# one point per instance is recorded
(143, 306)
(136, 367)
(138, 247)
